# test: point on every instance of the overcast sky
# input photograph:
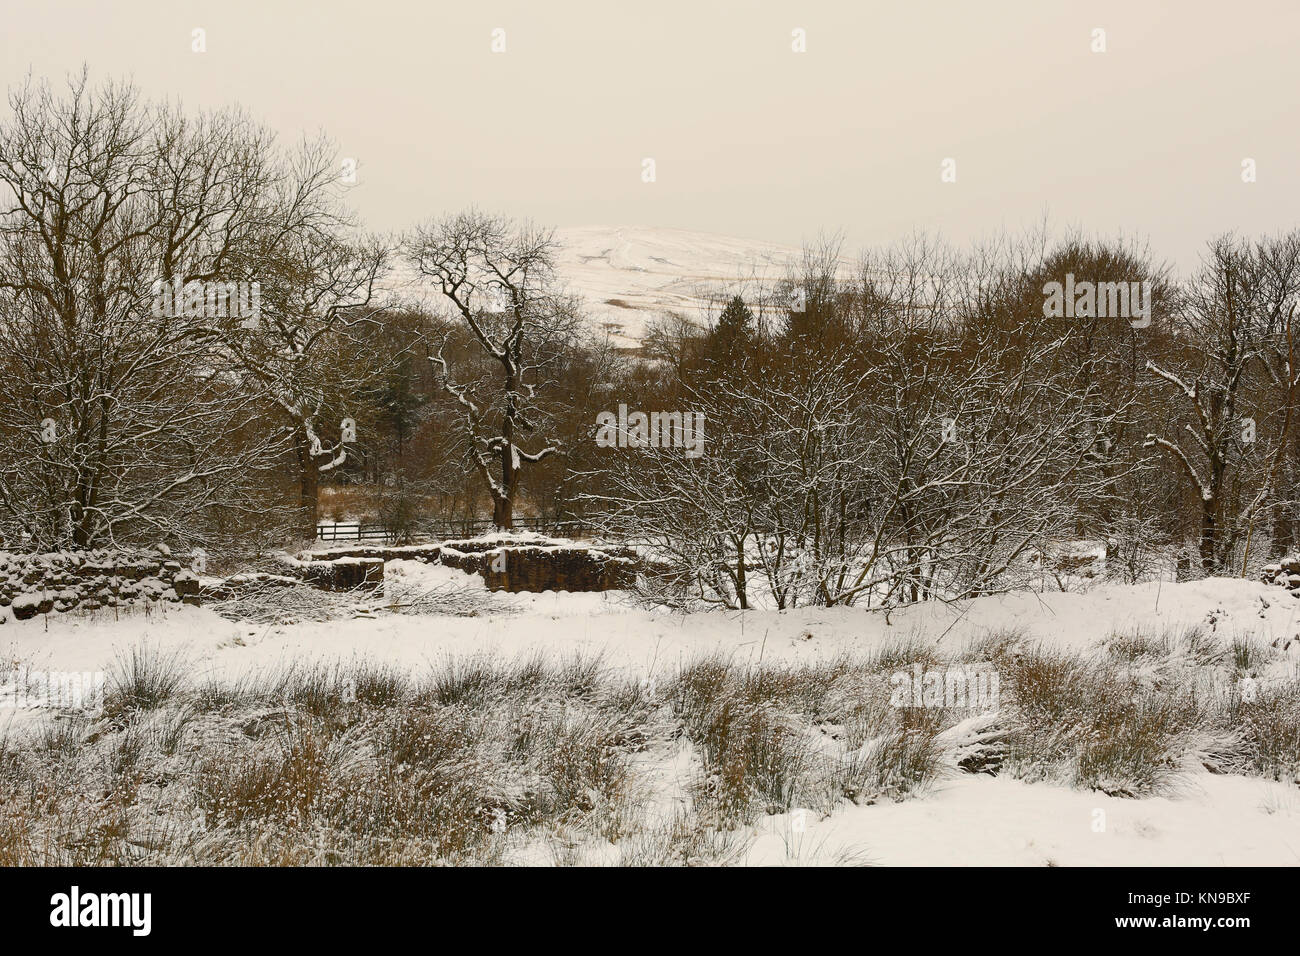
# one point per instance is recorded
(749, 138)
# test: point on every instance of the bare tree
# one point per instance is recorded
(308, 352)
(1234, 347)
(914, 440)
(115, 421)
(499, 277)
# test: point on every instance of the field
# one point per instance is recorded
(441, 723)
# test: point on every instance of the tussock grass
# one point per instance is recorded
(143, 678)
(683, 840)
(774, 736)
(484, 760)
(1092, 723)
(315, 763)
(901, 654)
(1248, 656)
(1138, 646)
(1264, 722)
(996, 644)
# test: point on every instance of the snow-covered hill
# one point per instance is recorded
(629, 276)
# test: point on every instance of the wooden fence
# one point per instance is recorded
(354, 532)
(446, 529)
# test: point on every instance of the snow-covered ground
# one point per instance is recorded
(975, 820)
(643, 640)
(1208, 820)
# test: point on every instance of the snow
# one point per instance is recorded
(643, 640)
(965, 819)
(976, 820)
(29, 601)
(629, 276)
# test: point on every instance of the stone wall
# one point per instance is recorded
(338, 573)
(512, 562)
(1285, 573)
(539, 568)
(32, 584)
(343, 574)
(428, 553)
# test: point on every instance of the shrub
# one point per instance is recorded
(143, 678)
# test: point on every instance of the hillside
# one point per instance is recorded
(629, 276)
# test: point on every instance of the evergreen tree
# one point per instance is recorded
(730, 338)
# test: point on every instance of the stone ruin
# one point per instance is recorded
(549, 566)
(1284, 573)
(32, 584)
(517, 562)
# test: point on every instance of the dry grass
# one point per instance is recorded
(349, 502)
(355, 763)
(1130, 718)
(486, 761)
(774, 737)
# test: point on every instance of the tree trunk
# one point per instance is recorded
(1284, 524)
(742, 584)
(1209, 539)
(503, 513)
(309, 490)
(503, 507)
